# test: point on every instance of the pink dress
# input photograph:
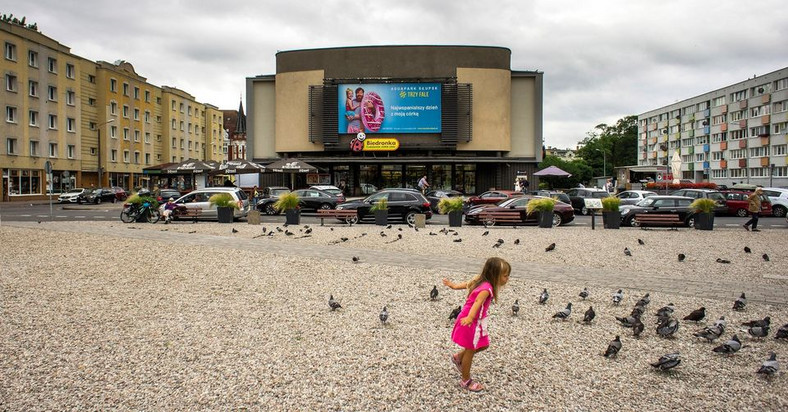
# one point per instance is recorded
(473, 336)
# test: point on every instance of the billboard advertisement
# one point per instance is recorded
(390, 108)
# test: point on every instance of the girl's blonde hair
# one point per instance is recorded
(494, 268)
(348, 90)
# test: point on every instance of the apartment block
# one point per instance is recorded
(730, 135)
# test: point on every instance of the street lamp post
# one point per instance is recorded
(100, 168)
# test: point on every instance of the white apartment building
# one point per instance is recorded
(726, 136)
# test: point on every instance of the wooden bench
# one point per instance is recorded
(186, 212)
(491, 218)
(348, 216)
(644, 219)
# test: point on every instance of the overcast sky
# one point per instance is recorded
(602, 60)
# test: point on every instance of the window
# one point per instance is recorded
(762, 151)
(738, 96)
(113, 108)
(52, 65)
(760, 110)
(70, 71)
(686, 158)
(71, 124)
(71, 98)
(780, 171)
(125, 111)
(181, 107)
(32, 88)
(779, 150)
(53, 150)
(703, 106)
(700, 157)
(70, 150)
(91, 125)
(113, 155)
(136, 157)
(173, 104)
(182, 126)
(174, 143)
(34, 150)
(760, 89)
(10, 83)
(719, 173)
(125, 133)
(759, 172)
(32, 58)
(190, 110)
(147, 116)
(147, 137)
(715, 120)
(113, 132)
(10, 51)
(780, 107)
(781, 84)
(158, 157)
(173, 124)
(93, 151)
(716, 155)
(189, 127)
(11, 146)
(147, 95)
(52, 93)
(125, 89)
(719, 101)
(136, 114)
(52, 121)
(701, 140)
(24, 182)
(190, 145)
(113, 85)
(136, 92)
(136, 135)
(737, 154)
(10, 114)
(125, 156)
(183, 145)
(737, 134)
(92, 78)
(719, 137)
(33, 115)
(147, 158)
(91, 101)
(759, 131)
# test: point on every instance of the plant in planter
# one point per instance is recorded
(453, 207)
(544, 207)
(611, 215)
(704, 213)
(289, 203)
(225, 206)
(381, 211)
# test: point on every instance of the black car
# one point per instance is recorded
(435, 196)
(664, 205)
(101, 195)
(269, 197)
(166, 194)
(715, 195)
(403, 205)
(559, 196)
(580, 194)
(314, 199)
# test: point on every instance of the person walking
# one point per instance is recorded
(470, 328)
(754, 207)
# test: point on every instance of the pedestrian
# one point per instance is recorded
(754, 207)
(255, 196)
(423, 185)
(524, 184)
(169, 208)
(470, 328)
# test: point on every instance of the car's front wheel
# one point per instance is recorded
(741, 212)
(690, 222)
(557, 219)
(410, 218)
(270, 209)
(779, 211)
(352, 220)
(325, 206)
(98, 200)
(630, 221)
(583, 210)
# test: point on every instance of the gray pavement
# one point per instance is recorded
(719, 289)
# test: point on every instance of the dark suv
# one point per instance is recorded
(579, 195)
(714, 195)
(403, 204)
(663, 205)
(269, 197)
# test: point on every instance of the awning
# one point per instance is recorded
(238, 166)
(191, 166)
(289, 165)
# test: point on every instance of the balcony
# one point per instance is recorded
(743, 104)
(765, 98)
(705, 165)
(706, 148)
(764, 140)
(706, 130)
(723, 145)
(723, 164)
(706, 113)
(742, 163)
(724, 127)
(765, 119)
(765, 161)
(742, 143)
(724, 108)
(743, 123)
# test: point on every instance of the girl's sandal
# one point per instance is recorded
(471, 385)
(457, 363)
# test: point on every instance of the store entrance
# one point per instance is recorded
(413, 173)
(391, 175)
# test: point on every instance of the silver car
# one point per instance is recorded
(198, 199)
(632, 197)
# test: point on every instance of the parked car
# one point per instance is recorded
(578, 196)
(562, 212)
(659, 204)
(166, 194)
(435, 196)
(631, 197)
(270, 196)
(314, 199)
(331, 190)
(779, 200)
(492, 197)
(368, 189)
(738, 203)
(403, 205)
(714, 195)
(198, 199)
(101, 195)
(120, 193)
(559, 196)
(73, 196)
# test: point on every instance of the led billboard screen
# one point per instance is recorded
(390, 108)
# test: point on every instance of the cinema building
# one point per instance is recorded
(383, 116)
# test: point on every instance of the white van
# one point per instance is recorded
(198, 199)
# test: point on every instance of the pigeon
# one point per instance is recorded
(486, 232)
(308, 231)
(550, 248)
(458, 240)
(584, 293)
(627, 252)
(388, 227)
(400, 229)
(564, 313)
(668, 327)
(637, 311)
(356, 259)
(766, 257)
(782, 333)
(740, 303)
(682, 257)
(344, 239)
(382, 234)
(331, 229)
(666, 311)
(696, 315)
(628, 321)
(641, 242)
(516, 307)
(644, 301)
(712, 333)
(289, 233)
(637, 328)
(384, 315)
(667, 362)
(617, 297)
(444, 231)
(264, 229)
(456, 312)
(517, 241)
(286, 224)
(496, 245)
(747, 250)
(543, 297)
(235, 231)
(762, 322)
(279, 229)
(455, 233)
(758, 331)
(399, 236)
(433, 234)
(613, 347)
(729, 347)
(770, 366)
(334, 305)
(589, 315)
(434, 293)
(724, 261)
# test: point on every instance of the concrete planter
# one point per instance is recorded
(455, 218)
(381, 217)
(293, 217)
(611, 220)
(225, 214)
(704, 221)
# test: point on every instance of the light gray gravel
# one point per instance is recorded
(101, 322)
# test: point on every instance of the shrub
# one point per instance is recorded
(703, 205)
(381, 204)
(541, 204)
(287, 201)
(450, 204)
(138, 200)
(223, 200)
(610, 204)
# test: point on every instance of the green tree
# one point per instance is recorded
(580, 171)
(618, 143)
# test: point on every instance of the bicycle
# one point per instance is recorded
(132, 212)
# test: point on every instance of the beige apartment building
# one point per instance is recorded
(97, 123)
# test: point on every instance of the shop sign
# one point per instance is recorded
(388, 144)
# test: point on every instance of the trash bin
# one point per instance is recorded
(421, 221)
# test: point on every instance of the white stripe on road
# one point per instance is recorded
(79, 217)
(99, 217)
(25, 215)
(42, 216)
(61, 216)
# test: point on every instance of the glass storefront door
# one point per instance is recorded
(368, 179)
(441, 177)
(465, 178)
(413, 173)
(391, 175)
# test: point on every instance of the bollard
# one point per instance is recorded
(421, 221)
(253, 217)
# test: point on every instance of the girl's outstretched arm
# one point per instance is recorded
(477, 304)
(453, 285)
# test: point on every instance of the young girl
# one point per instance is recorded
(470, 329)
